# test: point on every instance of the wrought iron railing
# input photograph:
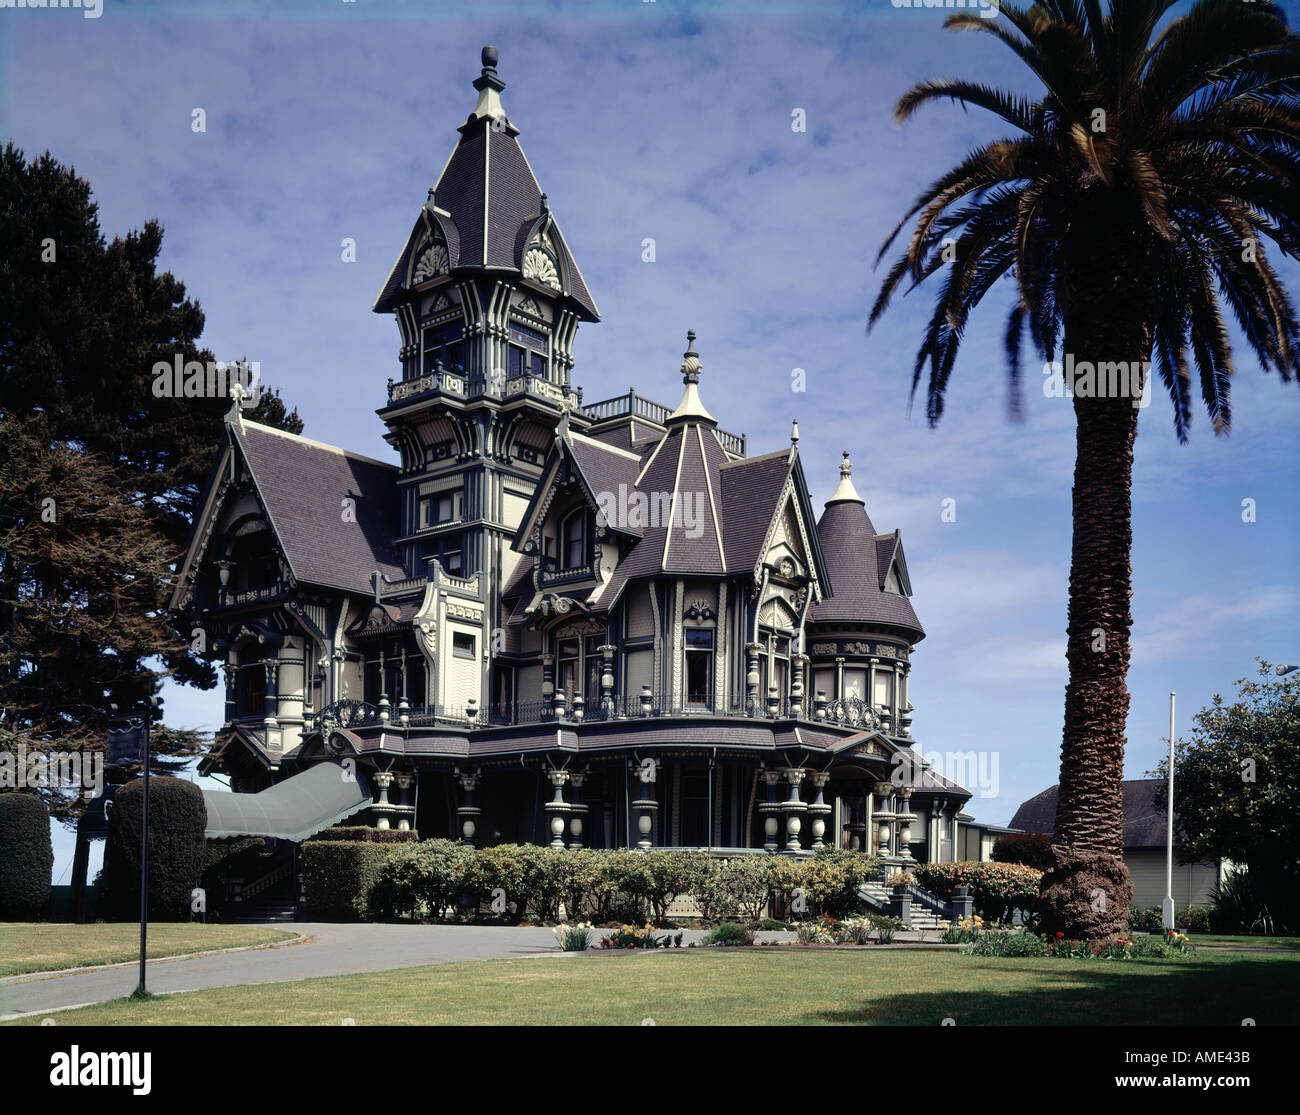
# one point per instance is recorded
(565, 709)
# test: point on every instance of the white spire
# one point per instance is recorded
(691, 405)
(489, 88)
(845, 491)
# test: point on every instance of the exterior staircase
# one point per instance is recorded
(273, 897)
(927, 910)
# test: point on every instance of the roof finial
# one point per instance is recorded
(794, 432)
(691, 361)
(489, 88)
(845, 491)
(691, 407)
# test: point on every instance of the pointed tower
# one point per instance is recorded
(487, 298)
(863, 635)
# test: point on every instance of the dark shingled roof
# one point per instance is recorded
(303, 484)
(1144, 825)
(750, 490)
(489, 162)
(854, 553)
(604, 467)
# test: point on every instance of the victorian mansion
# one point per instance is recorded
(600, 624)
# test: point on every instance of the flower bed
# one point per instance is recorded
(1024, 943)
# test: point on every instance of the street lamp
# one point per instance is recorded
(1284, 669)
(1167, 907)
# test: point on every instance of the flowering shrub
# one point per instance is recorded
(819, 932)
(1059, 947)
(901, 879)
(573, 938)
(642, 937)
(961, 932)
(853, 931)
(997, 888)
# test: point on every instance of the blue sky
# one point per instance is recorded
(329, 120)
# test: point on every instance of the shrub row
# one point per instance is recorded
(997, 888)
(437, 878)
(338, 875)
(369, 834)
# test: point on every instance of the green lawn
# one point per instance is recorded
(755, 987)
(1218, 939)
(40, 947)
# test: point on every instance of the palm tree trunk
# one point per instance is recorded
(1086, 896)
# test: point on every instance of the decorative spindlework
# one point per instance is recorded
(540, 267)
(853, 712)
(432, 262)
(347, 713)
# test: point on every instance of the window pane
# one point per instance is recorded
(462, 645)
(699, 675)
(537, 364)
(699, 637)
(568, 648)
(516, 361)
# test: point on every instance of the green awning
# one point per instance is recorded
(293, 809)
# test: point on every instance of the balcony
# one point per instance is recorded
(228, 597)
(633, 405)
(461, 386)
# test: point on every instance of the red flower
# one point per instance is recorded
(1059, 934)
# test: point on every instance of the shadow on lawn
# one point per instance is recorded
(1098, 993)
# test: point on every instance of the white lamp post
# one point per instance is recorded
(1167, 907)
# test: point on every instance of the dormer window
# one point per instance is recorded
(573, 539)
(527, 352)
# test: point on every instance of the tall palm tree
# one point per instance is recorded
(1134, 201)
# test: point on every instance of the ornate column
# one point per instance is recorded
(469, 811)
(798, 666)
(839, 680)
(884, 819)
(904, 705)
(905, 819)
(752, 707)
(383, 780)
(871, 682)
(819, 810)
(646, 805)
(770, 809)
(607, 680)
(794, 809)
(548, 683)
(231, 672)
(557, 807)
(272, 697)
(404, 783)
(577, 811)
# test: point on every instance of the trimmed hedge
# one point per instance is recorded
(337, 876)
(27, 861)
(1032, 849)
(438, 878)
(997, 888)
(369, 834)
(177, 820)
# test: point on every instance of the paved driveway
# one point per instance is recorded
(334, 950)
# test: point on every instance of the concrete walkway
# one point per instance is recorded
(333, 950)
